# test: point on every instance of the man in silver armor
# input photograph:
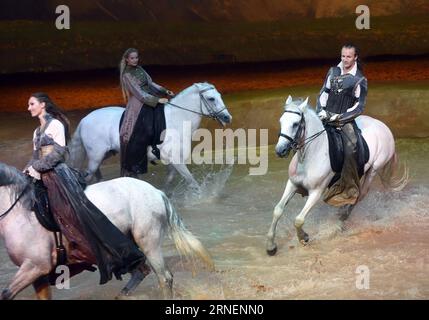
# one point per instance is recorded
(341, 99)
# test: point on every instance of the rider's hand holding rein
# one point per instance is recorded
(30, 171)
(334, 118)
(322, 115)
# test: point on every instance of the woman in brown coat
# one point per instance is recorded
(92, 238)
(143, 119)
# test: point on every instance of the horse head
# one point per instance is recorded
(212, 104)
(292, 125)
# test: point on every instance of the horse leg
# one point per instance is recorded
(278, 212)
(98, 175)
(151, 247)
(165, 278)
(94, 163)
(42, 288)
(171, 172)
(369, 176)
(314, 196)
(27, 274)
(137, 277)
(345, 211)
(184, 171)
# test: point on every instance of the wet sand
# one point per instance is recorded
(83, 90)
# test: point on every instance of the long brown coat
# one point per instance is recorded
(139, 94)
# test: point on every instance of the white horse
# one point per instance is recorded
(134, 206)
(97, 135)
(310, 169)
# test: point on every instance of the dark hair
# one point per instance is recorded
(357, 53)
(54, 111)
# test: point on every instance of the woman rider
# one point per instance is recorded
(92, 238)
(143, 119)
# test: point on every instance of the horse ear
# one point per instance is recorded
(303, 105)
(288, 100)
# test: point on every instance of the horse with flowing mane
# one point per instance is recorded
(97, 135)
(310, 170)
(135, 207)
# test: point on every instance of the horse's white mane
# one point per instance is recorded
(200, 86)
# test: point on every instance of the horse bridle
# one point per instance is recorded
(16, 201)
(213, 114)
(294, 141)
(203, 101)
(300, 133)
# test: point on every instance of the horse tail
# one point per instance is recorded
(186, 243)
(77, 150)
(390, 174)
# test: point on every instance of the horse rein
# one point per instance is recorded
(295, 145)
(16, 201)
(212, 113)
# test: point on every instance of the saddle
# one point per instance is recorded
(336, 151)
(41, 208)
(41, 203)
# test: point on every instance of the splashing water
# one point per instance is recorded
(212, 180)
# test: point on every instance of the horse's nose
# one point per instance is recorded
(227, 118)
(281, 151)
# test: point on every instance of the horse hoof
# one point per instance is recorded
(122, 296)
(6, 294)
(272, 252)
(303, 239)
(341, 226)
(304, 243)
(343, 217)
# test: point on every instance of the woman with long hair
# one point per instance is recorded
(143, 119)
(92, 238)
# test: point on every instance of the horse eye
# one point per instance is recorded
(211, 99)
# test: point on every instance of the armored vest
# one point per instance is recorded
(341, 95)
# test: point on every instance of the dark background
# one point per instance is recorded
(195, 32)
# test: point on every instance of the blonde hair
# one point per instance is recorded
(122, 66)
